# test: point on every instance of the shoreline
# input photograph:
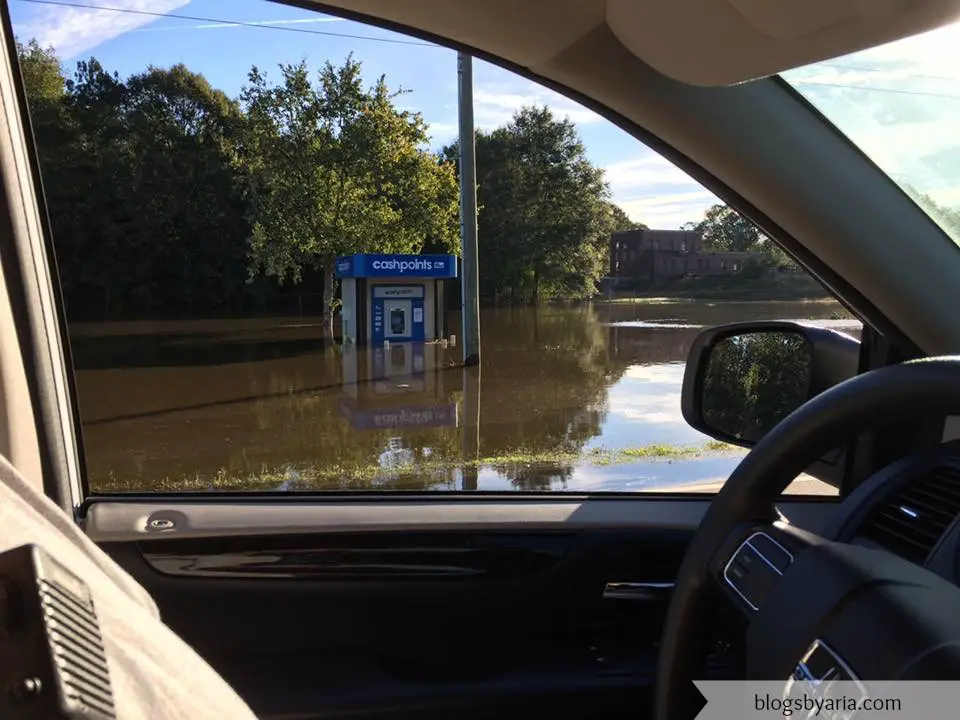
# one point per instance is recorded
(332, 478)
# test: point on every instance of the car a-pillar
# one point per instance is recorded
(393, 305)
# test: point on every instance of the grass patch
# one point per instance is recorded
(730, 288)
(426, 474)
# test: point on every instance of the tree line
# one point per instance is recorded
(168, 198)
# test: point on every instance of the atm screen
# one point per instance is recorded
(398, 322)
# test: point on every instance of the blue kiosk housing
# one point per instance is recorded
(395, 298)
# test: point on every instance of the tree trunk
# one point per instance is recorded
(329, 293)
(535, 298)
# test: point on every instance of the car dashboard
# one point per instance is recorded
(911, 509)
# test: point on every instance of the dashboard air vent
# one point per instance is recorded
(912, 522)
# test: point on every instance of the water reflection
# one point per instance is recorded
(566, 399)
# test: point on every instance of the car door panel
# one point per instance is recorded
(419, 623)
(322, 642)
(119, 519)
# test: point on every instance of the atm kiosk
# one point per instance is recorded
(392, 312)
(393, 298)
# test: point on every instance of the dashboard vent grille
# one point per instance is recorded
(912, 522)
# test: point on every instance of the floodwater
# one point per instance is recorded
(568, 399)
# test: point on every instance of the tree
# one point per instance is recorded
(144, 198)
(42, 76)
(337, 169)
(544, 212)
(724, 229)
(183, 135)
(947, 217)
(88, 178)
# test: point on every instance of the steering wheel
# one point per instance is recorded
(878, 616)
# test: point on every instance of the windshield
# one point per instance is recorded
(900, 103)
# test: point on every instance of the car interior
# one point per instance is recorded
(468, 604)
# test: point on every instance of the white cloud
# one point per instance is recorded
(73, 30)
(669, 212)
(495, 105)
(652, 190)
(442, 133)
(935, 53)
(646, 169)
(648, 188)
(496, 102)
(661, 373)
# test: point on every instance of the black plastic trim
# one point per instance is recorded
(401, 557)
(28, 315)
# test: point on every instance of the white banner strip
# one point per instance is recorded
(830, 700)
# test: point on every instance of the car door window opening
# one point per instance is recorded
(334, 354)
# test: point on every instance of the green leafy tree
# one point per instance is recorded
(162, 213)
(544, 211)
(336, 168)
(42, 75)
(88, 180)
(184, 133)
(142, 187)
(724, 229)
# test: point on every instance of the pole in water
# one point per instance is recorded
(470, 429)
(469, 271)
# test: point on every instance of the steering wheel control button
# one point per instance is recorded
(756, 567)
(751, 576)
(774, 553)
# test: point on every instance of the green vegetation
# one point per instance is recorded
(167, 198)
(337, 169)
(726, 230)
(545, 213)
(416, 474)
(771, 287)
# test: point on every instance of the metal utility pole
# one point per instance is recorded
(469, 272)
(470, 432)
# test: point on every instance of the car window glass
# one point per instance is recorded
(255, 215)
(898, 103)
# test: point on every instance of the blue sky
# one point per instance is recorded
(649, 188)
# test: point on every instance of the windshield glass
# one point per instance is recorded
(900, 103)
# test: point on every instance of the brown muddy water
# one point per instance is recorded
(569, 399)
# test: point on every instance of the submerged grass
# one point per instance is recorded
(426, 473)
(640, 299)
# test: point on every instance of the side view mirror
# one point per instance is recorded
(744, 378)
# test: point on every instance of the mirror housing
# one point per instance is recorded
(742, 379)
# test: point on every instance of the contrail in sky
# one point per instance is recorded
(247, 23)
